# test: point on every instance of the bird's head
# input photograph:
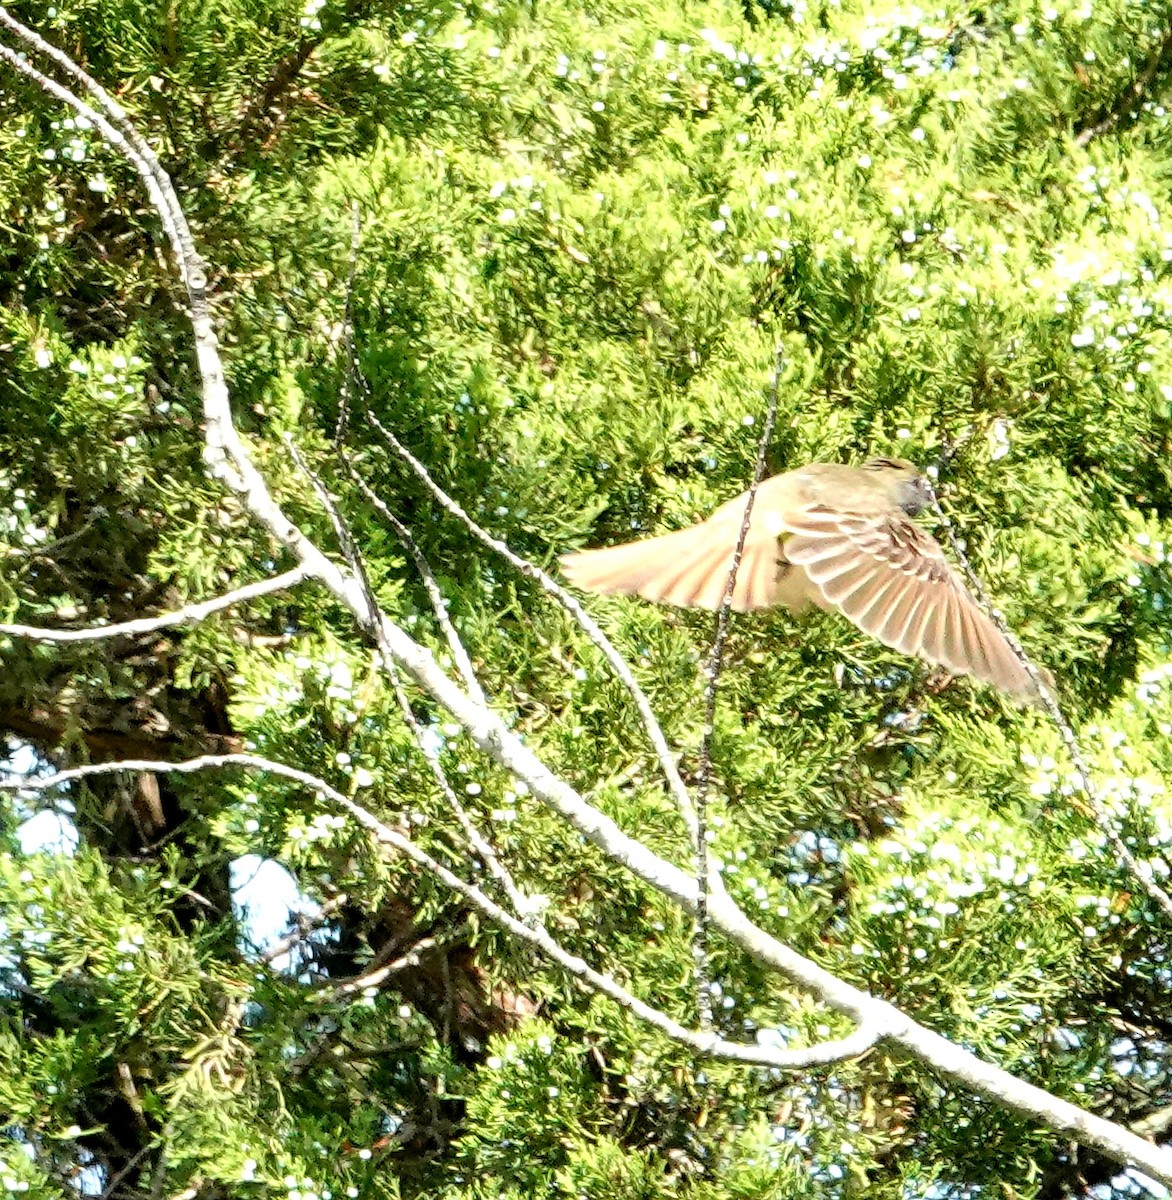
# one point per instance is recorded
(903, 482)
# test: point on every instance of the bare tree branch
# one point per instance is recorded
(712, 670)
(587, 623)
(703, 1042)
(868, 1011)
(190, 614)
(119, 132)
(526, 907)
(522, 904)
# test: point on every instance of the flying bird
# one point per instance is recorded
(838, 537)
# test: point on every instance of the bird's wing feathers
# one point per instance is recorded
(892, 580)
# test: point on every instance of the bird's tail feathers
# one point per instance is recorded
(690, 568)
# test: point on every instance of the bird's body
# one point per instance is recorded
(830, 535)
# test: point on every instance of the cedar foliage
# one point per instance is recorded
(584, 230)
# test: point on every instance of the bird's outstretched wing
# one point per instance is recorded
(892, 580)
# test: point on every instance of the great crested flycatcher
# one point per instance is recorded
(830, 535)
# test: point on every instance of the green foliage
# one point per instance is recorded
(584, 231)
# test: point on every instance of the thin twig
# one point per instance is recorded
(350, 377)
(234, 1011)
(351, 371)
(188, 615)
(224, 452)
(702, 1041)
(712, 669)
(1141, 870)
(306, 927)
(378, 974)
(1132, 96)
(117, 1178)
(439, 604)
(113, 136)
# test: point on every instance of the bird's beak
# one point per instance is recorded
(917, 495)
